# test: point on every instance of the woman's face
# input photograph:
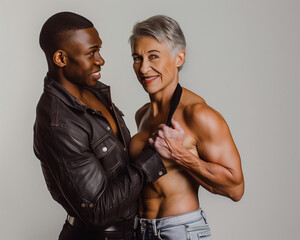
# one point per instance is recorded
(153, 64)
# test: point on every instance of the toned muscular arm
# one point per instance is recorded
(217, 166)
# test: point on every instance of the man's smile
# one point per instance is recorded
(96, 75)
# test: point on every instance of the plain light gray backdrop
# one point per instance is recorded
(242, 58)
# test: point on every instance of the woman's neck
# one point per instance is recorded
(161, 101)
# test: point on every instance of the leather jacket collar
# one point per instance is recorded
(53, 87)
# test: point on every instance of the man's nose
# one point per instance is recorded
(98, 59)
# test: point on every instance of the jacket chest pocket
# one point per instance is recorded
(108, 153)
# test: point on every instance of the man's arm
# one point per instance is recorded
(97, 200)
(218, 166)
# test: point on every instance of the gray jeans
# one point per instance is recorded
(190, 226)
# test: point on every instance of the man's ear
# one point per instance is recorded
(180, 57)
(60, 58)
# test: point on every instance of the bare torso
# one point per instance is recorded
(90, 100)
(176, 192)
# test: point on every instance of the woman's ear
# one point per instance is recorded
(60, 58)
(180, 58)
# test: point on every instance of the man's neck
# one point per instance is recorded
(75, 90)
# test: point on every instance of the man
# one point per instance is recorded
(206, 154)
(82, 140)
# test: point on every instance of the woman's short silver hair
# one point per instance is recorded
(162, 28)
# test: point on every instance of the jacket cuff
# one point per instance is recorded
(151, 164)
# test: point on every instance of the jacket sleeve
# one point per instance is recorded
(82, 179)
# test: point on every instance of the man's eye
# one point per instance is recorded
(92, 53)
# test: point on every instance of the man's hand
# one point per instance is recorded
(167, 139)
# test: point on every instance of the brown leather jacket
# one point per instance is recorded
(86, 167)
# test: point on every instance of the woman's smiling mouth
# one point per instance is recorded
(149, 79)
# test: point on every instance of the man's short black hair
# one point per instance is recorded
(59, 23)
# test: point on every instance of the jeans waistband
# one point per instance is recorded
(172, 221)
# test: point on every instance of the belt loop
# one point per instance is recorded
(154, 227)
(136, 222)
(203, 215)
(71, 220)
(158, 236)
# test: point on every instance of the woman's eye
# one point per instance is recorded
(137, 59)
(153, 56)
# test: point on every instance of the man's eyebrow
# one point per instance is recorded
(96, 46)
